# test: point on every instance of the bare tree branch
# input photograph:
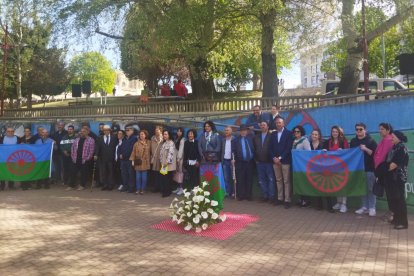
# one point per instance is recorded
(109, 35)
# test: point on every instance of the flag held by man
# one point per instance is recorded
(25, 162)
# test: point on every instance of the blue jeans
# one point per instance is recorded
(266, 178)
(369, 200)
(228, 176)
(128, 176)
(141, 180)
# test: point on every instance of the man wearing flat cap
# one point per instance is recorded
(243, 150)
(105, 156)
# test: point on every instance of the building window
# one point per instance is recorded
(313, 81)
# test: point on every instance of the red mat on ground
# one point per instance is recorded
(220, 231)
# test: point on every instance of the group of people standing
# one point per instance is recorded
(130, 160)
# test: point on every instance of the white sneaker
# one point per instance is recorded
(343, 208)
(120, 187)
(180, 191)
(361, 211)
(175, 191)
(81, 188)
(372, 212)
(337, 206)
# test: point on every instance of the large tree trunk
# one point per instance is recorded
(270, 85)
(255, 80)
(201, 84)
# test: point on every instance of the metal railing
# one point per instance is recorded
(197, 106)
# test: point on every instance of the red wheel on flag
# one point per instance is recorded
(327, 173)
(21, 162)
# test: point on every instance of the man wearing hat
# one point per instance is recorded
(124, 153)
(105, 156)
(242, 148)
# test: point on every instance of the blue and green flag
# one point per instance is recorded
(25, 162)
(329, 173)
(213, 174)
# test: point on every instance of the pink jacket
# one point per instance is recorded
(382, 150)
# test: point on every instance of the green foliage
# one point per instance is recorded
(94, 67)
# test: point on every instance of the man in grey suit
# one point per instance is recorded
(226, 157)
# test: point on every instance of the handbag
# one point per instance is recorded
(138, 161)
(164, 170)
(211, 156)
(378, 188)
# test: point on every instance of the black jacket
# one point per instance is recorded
(369, 143)
(106, 153)
(261, 150)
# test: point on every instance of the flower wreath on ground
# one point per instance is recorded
(195, 211)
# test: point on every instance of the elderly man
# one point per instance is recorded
(105, 155)
(65, 148)
(44, 139)
(242, 148)
(82, 154)
(226, 157)
(9, 139)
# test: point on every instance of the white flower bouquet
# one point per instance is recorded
(195, 211)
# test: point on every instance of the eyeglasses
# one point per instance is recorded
(359, 129)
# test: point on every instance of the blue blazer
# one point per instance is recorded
(283, 148)
(237, 150)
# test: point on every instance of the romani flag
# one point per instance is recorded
(213, 174)
(25, 162)
(329, 173)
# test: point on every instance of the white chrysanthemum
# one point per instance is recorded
(223, 217)
(204, 215)
(180, 210)
(179, 221)
(204, 226)
(214, 215)
(195, 211)
(200, 198)
(209, 210)
(199, 189)
(187, 195)
(195, 199)
(175, 199)
(205, 183)
(189, 214)
(196, 220)
(188, 227)
(196, 206)
(198, 230)
(206, 193)
(188, 202)
(187, 207)
(174, 218)
(214, 203)
(206, 200)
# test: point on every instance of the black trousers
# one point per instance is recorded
(244, 178)
(84, 174)
(166, 183)
(396, 202)
(106, 173)
(67, 168)
(193, 177)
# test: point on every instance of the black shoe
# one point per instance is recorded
(103, 189)
(277, 202)
(264, 200)
(166, 195)
(47, 187)
(400, 227)
(287, 205)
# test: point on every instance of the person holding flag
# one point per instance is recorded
(45, 139)
(9, 139)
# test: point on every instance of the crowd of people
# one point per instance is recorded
(129, 160)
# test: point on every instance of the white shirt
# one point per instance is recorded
(279, 134)
(227, 149)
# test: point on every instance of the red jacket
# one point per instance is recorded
(165, 91)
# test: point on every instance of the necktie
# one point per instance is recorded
(107, 140)
(248, 152)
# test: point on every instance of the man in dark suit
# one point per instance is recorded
(242, 148)
(105, 156)
(265, 174)
(281, 149)
(226, 157)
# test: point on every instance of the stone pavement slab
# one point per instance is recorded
(56, 232)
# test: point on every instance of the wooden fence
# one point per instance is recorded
(200, 106)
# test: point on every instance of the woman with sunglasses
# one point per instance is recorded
(337, 141)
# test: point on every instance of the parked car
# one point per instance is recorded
(330, 87)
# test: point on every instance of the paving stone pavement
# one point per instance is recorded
(56, 232)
